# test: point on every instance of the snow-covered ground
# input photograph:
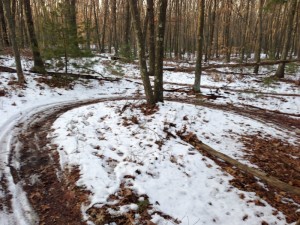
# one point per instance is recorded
(107, 145)
(17, 102)
(254, 96)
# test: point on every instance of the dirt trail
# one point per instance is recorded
(52, 192)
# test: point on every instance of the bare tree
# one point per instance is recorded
(12, 33)
(198, 70)
(141, 51)
(287, 38)
(37, 59)
(150, 8)
(3, 25)
(159, 52)
(72, 25)
(104, 25)
(259, 37)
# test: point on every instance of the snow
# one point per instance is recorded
(255, 95)
(20, 102)
(185, 184)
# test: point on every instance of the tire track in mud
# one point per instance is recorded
(53, 193)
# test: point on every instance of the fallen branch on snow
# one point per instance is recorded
(272, 181)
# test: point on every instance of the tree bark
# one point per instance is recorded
(141, 51)
(114, 26)
(127, 27)
(259, 38)
(38, 62)
(212, 29)
(159, 51)
(198, 70)
(104, 25)
(3, 25)
(287, 41)
(95, 9)
(227, 40)
(245, 33)
(12, 33)
(72, 25)
(150, 8)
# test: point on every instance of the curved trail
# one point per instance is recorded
(32, 172)
(23, 139)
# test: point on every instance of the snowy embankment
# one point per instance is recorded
(114, 143)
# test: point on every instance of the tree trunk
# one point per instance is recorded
(259, 38)
(12, 33)
(127, 27)
(288, 32)
(141, 51)
(87, 25)
(3, 25)
(72, 25)
(246, 32)
(227, 42)
(114, 26)
(104, 26)
(150, 8)
(96, 24)
(38, 62)
(212, 29)
(159, 51)
(198, 70)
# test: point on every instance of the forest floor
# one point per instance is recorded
(86, 149)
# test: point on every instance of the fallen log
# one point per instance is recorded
(7, 69)
(272, 181)
(74, 75)
(169, 68)
(236, 65)
(83, 76)
(262, 63)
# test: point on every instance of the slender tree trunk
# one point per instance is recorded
(288, 32)
(3, 25)
(72, 24)
(259, 37)
(104, 25)
(38, 62)
(159, 51)
(114, 26)
(216, 44)
(12, 33)
(227, 42)
(212, 29)
(141, 51)
(96, 24)
(150, 8)
(127, 27)
(23, 33)
(246, 32)
(87, 25)
(198, 70)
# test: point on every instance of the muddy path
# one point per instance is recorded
(34, 163)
